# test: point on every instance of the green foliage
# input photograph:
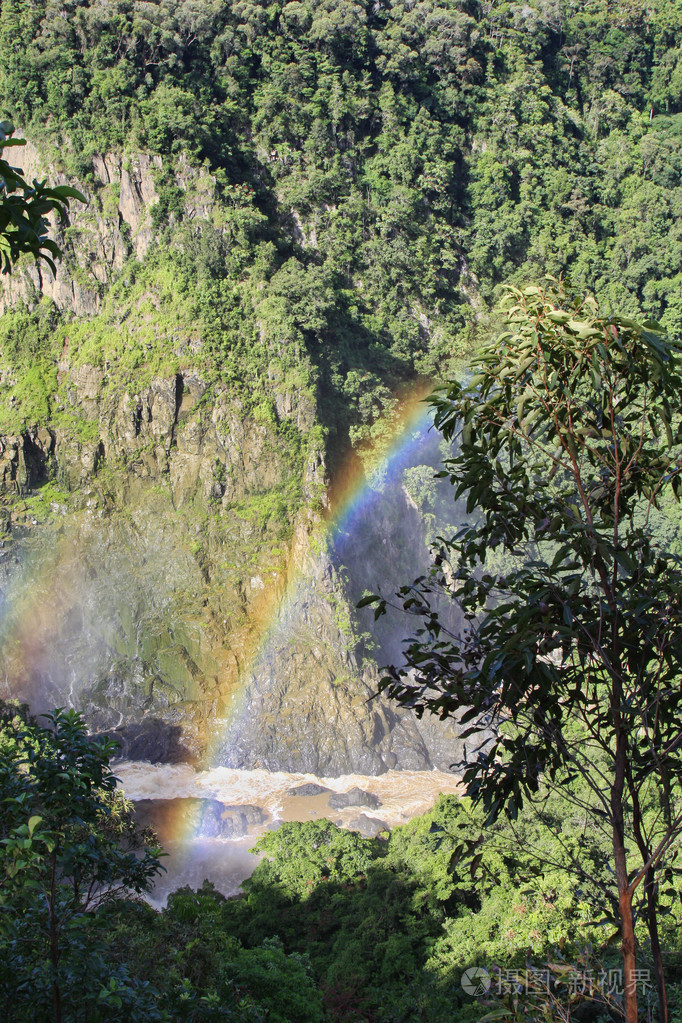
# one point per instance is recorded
(568, 436)
(71, 943)
(301, 856)
(27, 347)
(369, 201)
(69, 847)
(331, 926)
(204, 972)
(391, 936)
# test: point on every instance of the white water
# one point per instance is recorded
(403, 794)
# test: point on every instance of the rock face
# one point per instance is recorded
(116, 223)
(25, 459)
(152, 739)
(164, 563)
(144, 617)
(174, 617)
(307, 705)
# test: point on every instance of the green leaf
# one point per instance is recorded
(33, 823)
(66, 192)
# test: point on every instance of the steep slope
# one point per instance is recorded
(165, 567)
(295, 211)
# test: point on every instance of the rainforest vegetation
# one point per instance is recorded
(381, 170)
(376, 172)
(330, 927)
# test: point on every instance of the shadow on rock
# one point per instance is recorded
(153, 740)
(354, 797)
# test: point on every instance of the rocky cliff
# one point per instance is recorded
(117, 223)
(166, 566)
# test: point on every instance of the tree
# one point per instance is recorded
(572, 635)
(24, 210)
(68, 847)
(301, 856)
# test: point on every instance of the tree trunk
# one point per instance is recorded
(629, 960)
(54, 944)
(651, 887)
(652, 922)
(625, 892)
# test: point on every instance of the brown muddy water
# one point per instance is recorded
(169, 798)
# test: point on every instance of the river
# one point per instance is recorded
(162, 790)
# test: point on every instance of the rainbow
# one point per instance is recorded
(357, 485)
(38, 605)
(355, 488)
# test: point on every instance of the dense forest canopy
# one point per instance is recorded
(383, 166)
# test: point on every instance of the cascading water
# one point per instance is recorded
(303, 710)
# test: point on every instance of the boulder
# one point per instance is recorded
(310, 788)
(189, 817)
(369, 827)
(216, 820)
(354, 797)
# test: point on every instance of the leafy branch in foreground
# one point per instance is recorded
(572, 637)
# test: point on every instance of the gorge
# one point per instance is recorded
(158, 576)
(300, 219)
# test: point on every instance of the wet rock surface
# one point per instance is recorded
(179, 818)
(216, 820)
(153, 617)
(309, 788)
(354, 797)
(309, 703)
(152, 740)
